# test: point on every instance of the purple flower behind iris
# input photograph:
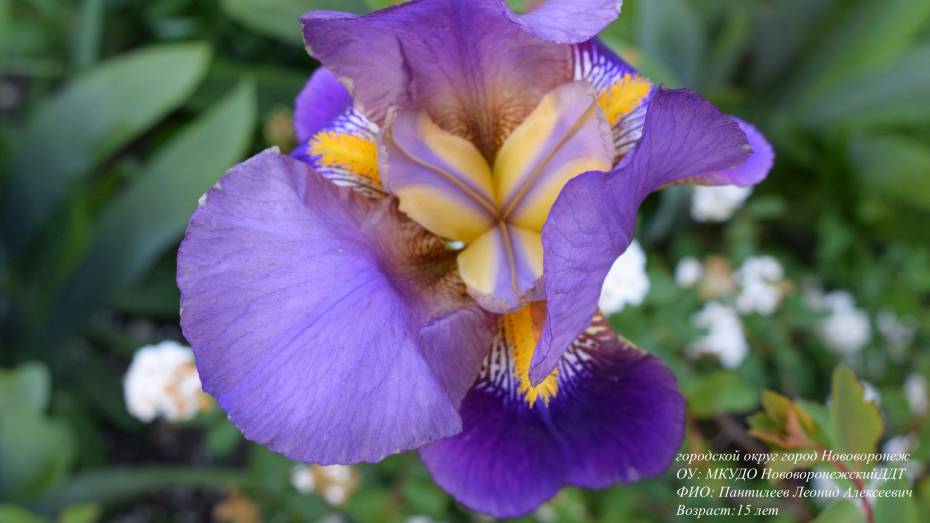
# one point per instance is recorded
(442, 294)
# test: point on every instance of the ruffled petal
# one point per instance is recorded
(468, 63)
(752, 171)
(329, 327)
(441, 179)
(565, 135)
(616, 416)
(569, 21)
(501, 267)
(592, 221)
(321, 100)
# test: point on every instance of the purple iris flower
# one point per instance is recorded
(423, 271)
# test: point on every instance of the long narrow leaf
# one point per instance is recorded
(149, 217)
(90, 119)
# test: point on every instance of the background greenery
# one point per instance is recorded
(118, 114)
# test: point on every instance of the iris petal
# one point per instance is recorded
(564, 136)
(750, 172)
(569, 22)
(442, 180)
(592, 222)
(276, 270)
(472, 67)
(321, 100)
(501, 266)
(616, 416)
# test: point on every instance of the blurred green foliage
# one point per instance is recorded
(118, 114)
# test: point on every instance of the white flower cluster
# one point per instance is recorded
(627, 282)
(334, 482)
(688, 272)
(915, 391)
(717, 204)
(903, 445)
(757, 287)
(162, 381)
(724, 338)
(420, 519)
(897, 333)
(760, 283)
(846, 329)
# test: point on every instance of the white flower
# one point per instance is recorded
(334, 482)
(905, 445)
(915, 390)
(546, 513)
(846, 330)
(302, 479)
(717, 204)
(688, 272)
(627, 282)
(335, 494)
(163, 381)
(898, 333)
(870, 393)
(724, 338)
(420, 519)
(759, 279)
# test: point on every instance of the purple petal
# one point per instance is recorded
(617, 416)
(593, 220)
(753, 170)
(321, 100)
(329, 327)
(568, 21)
(467, 63)
(441, 180)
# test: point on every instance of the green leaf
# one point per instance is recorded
(82, 513)
(872, 33)
(90, 21)
(371, 504)
(720, 392)
(111, 485)
(222, 439)
(35, 451)
(892, 94)
(724, 53)
(855, 423)
(897, 509)
(91, 118)
(842, 511)
(139, 224)
(280, 19)
(893, 167)
(27, 388)
(670, 31)
(15, 514)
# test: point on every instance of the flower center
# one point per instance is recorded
(498, 210)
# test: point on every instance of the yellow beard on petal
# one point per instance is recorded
(521, 336)
(351, 152)
(623, 96)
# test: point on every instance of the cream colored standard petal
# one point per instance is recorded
(442, 181)
(566, 135)
(501, 266)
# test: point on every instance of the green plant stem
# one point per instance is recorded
(857, 482)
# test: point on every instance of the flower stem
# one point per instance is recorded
(857, 482)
